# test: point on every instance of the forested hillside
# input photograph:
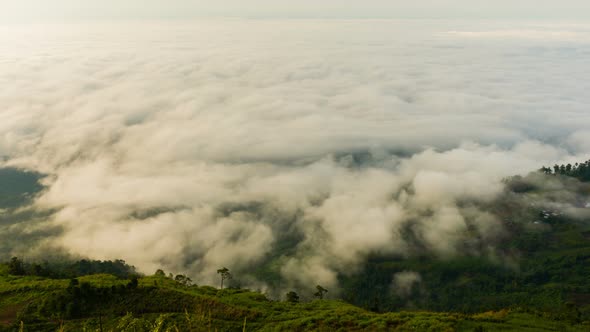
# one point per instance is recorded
(158, 303)
(542, 261)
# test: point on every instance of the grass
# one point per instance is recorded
(161, 304)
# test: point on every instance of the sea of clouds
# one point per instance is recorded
(190, 146)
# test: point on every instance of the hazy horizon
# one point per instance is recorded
(437, 9)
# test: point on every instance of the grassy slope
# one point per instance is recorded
(163, 301)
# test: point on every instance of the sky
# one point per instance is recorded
(196, 144)
(466, 9)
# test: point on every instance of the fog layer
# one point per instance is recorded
(193, 146)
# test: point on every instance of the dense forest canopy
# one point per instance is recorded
(580, 171)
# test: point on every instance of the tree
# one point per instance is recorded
(38, 270)
(133, 283)
(320, 293)
(292, 297)
(182, 279)
(16, 267)
(73, 283)
(581, 171)
(225, 275)
(160, 273)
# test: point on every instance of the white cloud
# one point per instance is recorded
(551, 34)
(403, 282)
(246, 132)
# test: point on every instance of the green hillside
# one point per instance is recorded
(158, 303)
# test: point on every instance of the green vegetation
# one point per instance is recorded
(225, 275)
(292, 297)
(65, 269)
(541, 260)
(580, 171)
(320, 292)
(157, 303)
